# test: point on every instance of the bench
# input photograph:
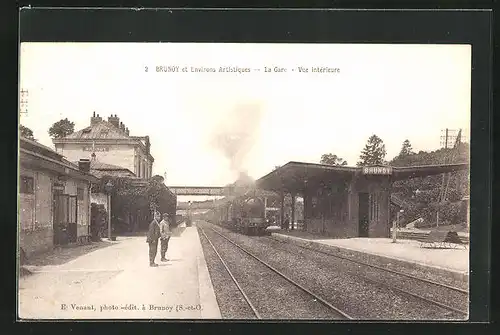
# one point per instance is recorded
(441, 239)
(84, 239)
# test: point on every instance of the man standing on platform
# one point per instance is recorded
(164, 235)
(152, 239)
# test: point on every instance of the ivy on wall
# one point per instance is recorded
(126, 195)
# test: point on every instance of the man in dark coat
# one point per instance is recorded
(153, 237)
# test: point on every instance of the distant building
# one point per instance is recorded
(54, 198)
(111, 142)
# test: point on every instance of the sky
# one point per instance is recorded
(206, 127)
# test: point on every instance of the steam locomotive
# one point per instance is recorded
(243, 214)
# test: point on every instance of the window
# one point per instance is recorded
(26, 185)
(79, 193)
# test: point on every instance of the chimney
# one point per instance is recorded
(95, 119)
(148, 144)
(127, 131)
(114, 120)
(84, 165)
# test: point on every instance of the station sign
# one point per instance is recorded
(377, 170)
(98, 149)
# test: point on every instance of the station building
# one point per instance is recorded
(54, 198)
(112, 144)
(344, 201)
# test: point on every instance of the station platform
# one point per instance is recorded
(116, 282)
(448, 262)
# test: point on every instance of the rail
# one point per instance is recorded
(315, 296)
(456, 289)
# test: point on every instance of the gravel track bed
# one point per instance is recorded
(232, 304)
(271, 295)
(366, 258)
(442, 295)
(357, 297)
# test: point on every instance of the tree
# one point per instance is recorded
(26, 132)
(62, 128)
(406, 149)
(373, 153)
(331, 159)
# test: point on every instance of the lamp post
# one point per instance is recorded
(395, 224)
(109, 188)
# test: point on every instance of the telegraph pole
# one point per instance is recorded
(447, 176)
(455, 148)
(441, 192)
(23, 102)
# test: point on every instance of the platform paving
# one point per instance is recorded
(116, 282)
(454, 260)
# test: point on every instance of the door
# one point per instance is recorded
(363, 214)
(72, 218)
(61, 218)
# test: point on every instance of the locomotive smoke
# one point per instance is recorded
(236, 134)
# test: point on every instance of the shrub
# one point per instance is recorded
(449, 213)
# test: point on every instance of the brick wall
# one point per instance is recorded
(335, 214)
(36, 241)
(35, 213)
(332, 228)
(378, 190)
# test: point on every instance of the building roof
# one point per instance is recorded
(100, 130)
(100, 169)
(39, 148)
(294, 176)
(112, 173)
(104, 131)
(38, 156)
(400, 173)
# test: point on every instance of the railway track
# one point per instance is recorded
(328, 308)
(460, 293)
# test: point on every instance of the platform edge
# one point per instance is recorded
(457, 275)
(210, 307)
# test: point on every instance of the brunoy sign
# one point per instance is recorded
(377, 170)
(99, 149)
